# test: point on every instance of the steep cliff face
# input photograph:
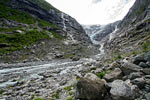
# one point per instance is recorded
(34, 30)
(134, 30)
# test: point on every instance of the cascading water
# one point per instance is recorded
(63, 21)
(111, 36)
(65, 28)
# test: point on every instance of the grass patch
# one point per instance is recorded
(146, 47)
(56, 35)
(18, 41)
(1, 91)
(15, 15)
(38, 98)
(70, 98)
(2, 29)
(44, 23)
(56, 95)
(102, 74)
(68, 88)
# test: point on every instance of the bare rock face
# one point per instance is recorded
(90, 90)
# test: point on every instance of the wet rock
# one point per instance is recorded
(128, 68)
(140, 82)
(121, 90)
(143, 65)
(116, 74)
(90, 90)
(135, 75)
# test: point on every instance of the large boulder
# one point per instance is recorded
(116, 74)
(87, 89)
(121, 90)
(128, 68)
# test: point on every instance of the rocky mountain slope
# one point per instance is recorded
(133, 34)
(33, 30)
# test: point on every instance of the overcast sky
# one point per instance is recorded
(94, 11)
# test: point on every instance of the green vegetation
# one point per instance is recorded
(56, 95)
(102, 74)
(58, 36)
(44, 23)
(17, 41)
(68, 88)
(15, 15)
(146, 47)
(38, 98)
(70, 98)
(70, 93)
(6, 29)
(1, 91)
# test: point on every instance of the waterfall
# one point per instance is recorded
(63, 21)
(101, 49)
(111, 36)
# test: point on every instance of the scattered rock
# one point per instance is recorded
(116, 74)
(90, 90)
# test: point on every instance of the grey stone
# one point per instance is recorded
(116, 74)
(121, 90)
(90, 90)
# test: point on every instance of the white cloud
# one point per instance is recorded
(94, 11)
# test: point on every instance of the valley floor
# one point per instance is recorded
(49, 80)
